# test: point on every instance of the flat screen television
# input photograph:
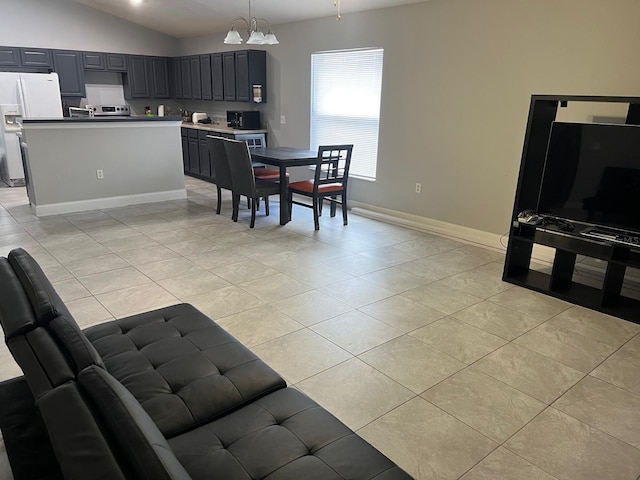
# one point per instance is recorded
(592, 175)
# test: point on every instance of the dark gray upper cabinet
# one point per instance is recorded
(9, 57)
(196, 78)
(205, 76)
(116, 62)
(185, 70)
(159, 76)
(229, 72)
(136, 81)
(217, 76)
(68, 66)
(93, 61)
(36, 57)
(176, 79)
(251, 69)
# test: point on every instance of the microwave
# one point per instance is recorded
(243, 120)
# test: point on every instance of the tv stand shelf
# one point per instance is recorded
(559, 283)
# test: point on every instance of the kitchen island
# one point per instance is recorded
(88, 163)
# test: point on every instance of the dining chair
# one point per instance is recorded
(329, 183)
(244, 181)
(220, 166)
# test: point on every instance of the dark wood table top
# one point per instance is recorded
(285, 156)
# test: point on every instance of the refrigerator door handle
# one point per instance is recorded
(24, 99)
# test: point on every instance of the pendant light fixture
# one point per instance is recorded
(256, 37)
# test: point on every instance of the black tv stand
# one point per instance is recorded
(617, 253)
(560, 282)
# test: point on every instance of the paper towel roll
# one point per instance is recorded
(161, 110)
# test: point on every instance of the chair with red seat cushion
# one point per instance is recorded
(329, 182)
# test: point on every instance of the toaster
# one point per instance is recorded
(196, 117)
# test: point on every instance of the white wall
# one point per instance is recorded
(457, 82)
(65, 24)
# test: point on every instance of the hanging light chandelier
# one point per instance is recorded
(256, 37)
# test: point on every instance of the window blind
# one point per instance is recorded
(345, 104)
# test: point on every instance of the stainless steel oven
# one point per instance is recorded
(109, 110)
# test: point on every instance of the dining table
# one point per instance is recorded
(284, 157)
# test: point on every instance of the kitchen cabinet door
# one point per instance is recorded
(205, 162)
(196, 78)
(94, 61)
(217, 76)
(9, 57)
(176, 78)
(136, 80)
(36, 57)
(229, 72)
(205, 77)
(68, 66)
(159, 76)
(251, 69)
(185, 69)
(116, 62)
(185, 150)
(194, 156)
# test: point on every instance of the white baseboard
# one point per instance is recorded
(493, 241)
(109, 202)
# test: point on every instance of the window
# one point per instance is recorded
(345, 104)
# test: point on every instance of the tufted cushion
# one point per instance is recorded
(284, 435)
(182, 367)
(138, 438)
(44, 300)
(307, 187)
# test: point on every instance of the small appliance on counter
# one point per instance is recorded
(247, 120)
(75, 112)
(197, 116)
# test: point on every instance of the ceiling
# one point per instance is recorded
(191, 18)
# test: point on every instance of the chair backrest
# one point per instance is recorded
(333, 165)
(242, 177)
(219, 162)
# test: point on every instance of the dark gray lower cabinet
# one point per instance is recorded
(68, 66)
(205, 161)
(185, 149)
(194, 156)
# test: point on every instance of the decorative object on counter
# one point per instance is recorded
(256, 37)
(147, 111)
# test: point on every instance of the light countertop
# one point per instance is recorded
(213, 127)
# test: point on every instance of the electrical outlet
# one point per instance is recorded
(100, 174)
(418, 188)
(283, 120)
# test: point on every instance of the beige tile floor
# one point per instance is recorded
(411, 339)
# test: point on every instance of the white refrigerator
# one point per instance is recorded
(23, 95)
